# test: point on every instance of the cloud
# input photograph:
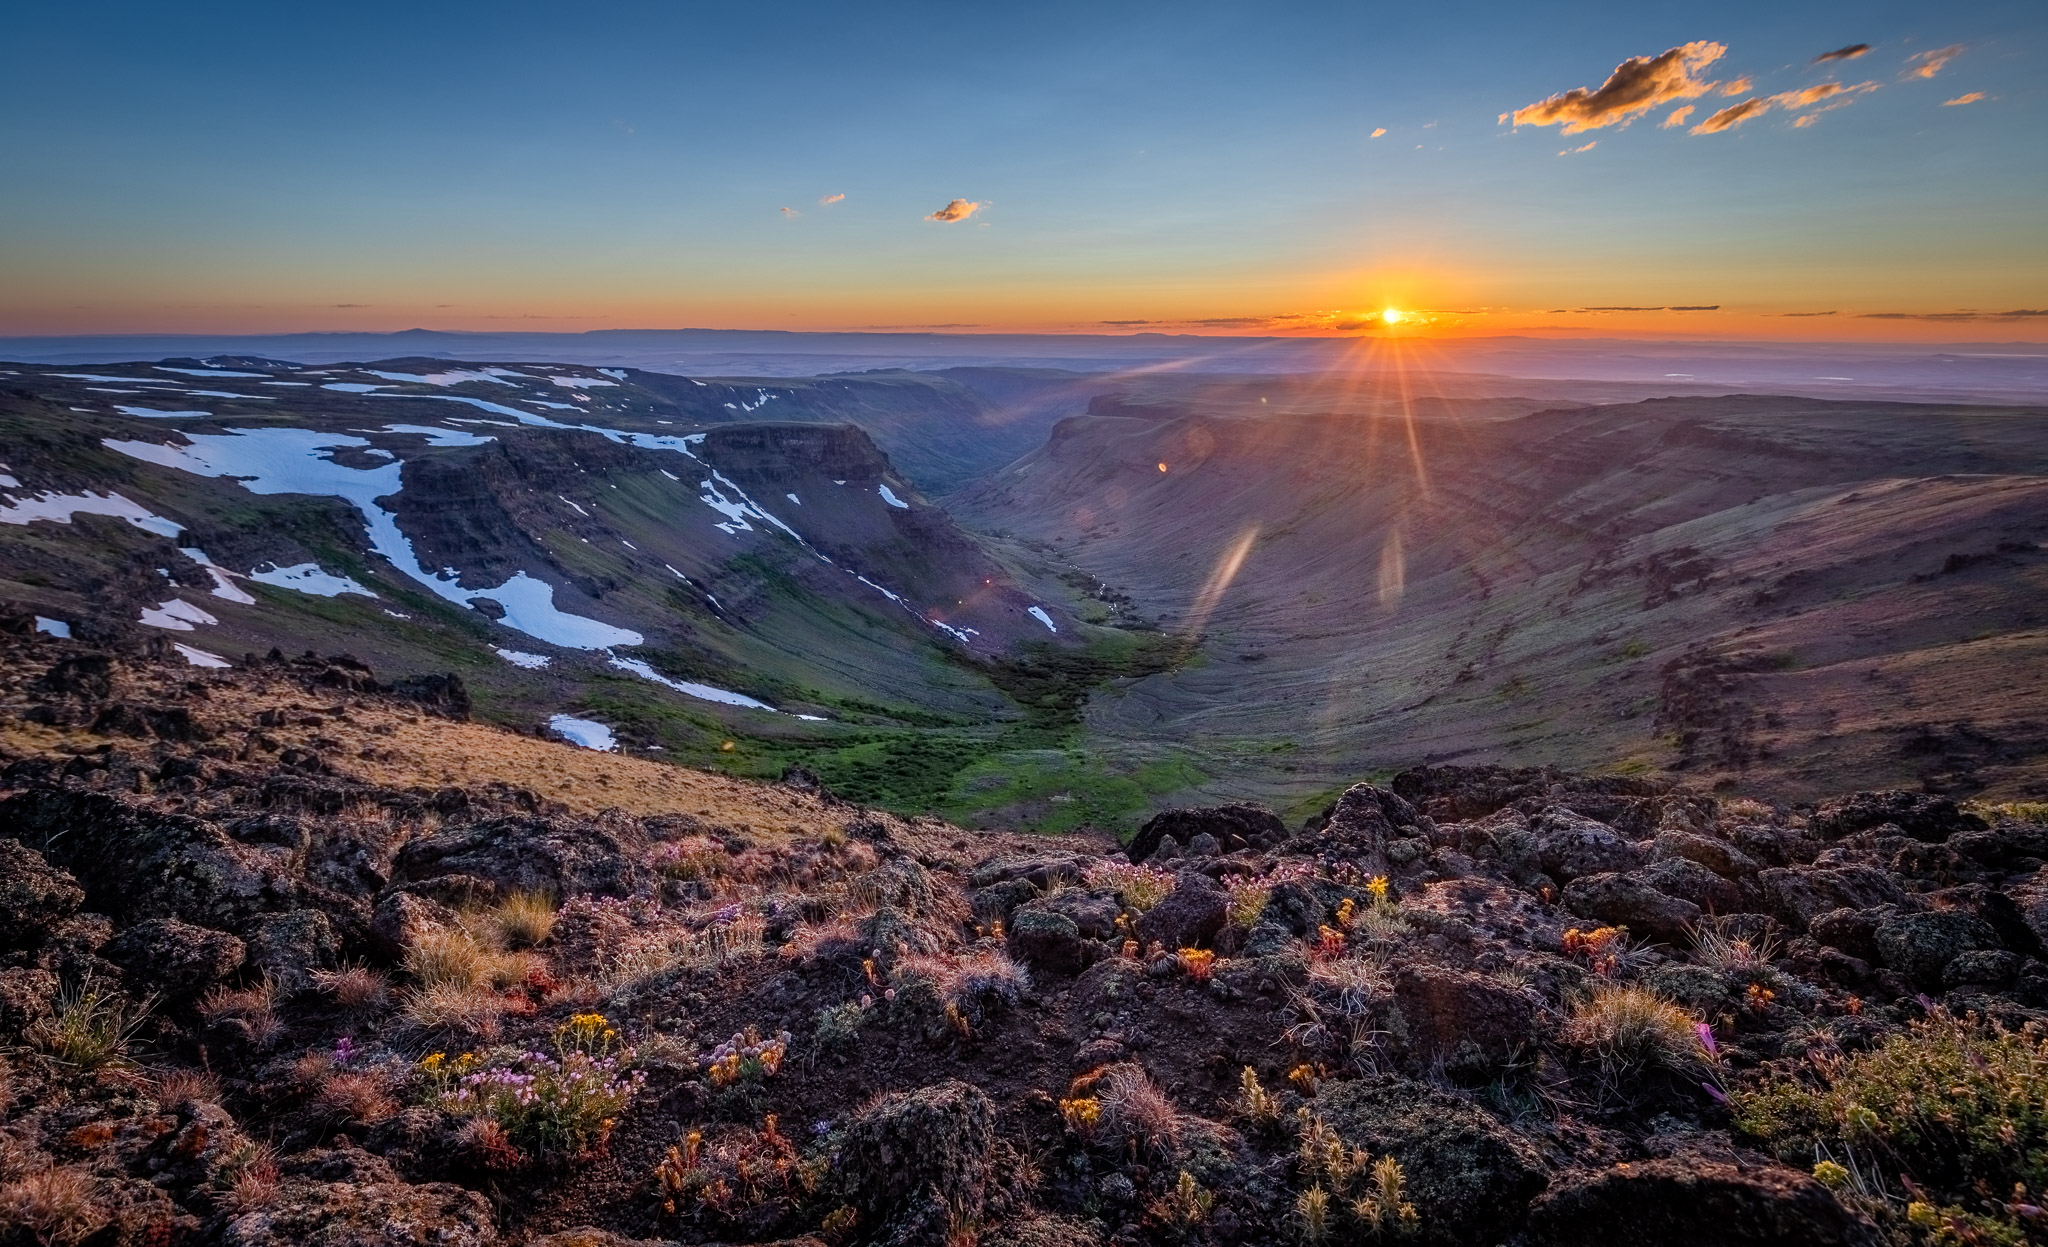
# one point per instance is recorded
(826, 201)
(1971, 98)
(1849, 53)
(1809, 313)
(789, 212)
(1378, 132)
(1806, 97)
(1573, 151)
(357, 305)
(2023, 313)
(1732, 116)
(1677, 117)
(958, 210)
(1741, 86)
(1800, 123)
(1928, 64)
(1637, 85)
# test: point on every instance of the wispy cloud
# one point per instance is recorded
(1741, 86)
(1809, 313)
(1849, 53)
(1637, 85)
(1378, 132)
(788, 213)
(958, 210)
(1971, 98)
(1677, 117)
(1928, 64)
(1573, 151)
(826, 201)
(1732, 116)
(2023, 313)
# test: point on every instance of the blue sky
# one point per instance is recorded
(242, 167)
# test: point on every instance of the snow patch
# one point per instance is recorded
(1038, 613)
(454, 376)
(689, 688)
(437, 436)
(61, 507)
(889, 496)
(581, 383)
(206, 372)
(222, 586)
(585, 732)
(794, 498)
(308, 578)
(55, 627)
(352, 387)
(519, 658)
(200, 658)
(175, 614)
(152, 413)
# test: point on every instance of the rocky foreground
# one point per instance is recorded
(267, 977)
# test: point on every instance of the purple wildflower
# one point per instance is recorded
(344, 1051)
(1714, 1091)
(1706, 1034)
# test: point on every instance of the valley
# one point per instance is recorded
(1050, 599)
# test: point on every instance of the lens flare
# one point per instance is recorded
(1392, 316)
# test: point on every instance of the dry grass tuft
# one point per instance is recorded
(1135, 1107)
(1629, 1029)
(524, 919)
(176, 1086)
(358, 989)
(355, 1096)
(449, 1008)
(90, 1026)
(454, 955)
(252, 1009)
(56, 1207)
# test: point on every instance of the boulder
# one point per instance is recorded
(1854, 931)
(1626, 900)
(1094, 913)
(310, 1213)
(174, 957)
(1920, 946)
(1719, 856)
(401, 918)
(1564, 845)
(995, 902)
(1235, 826)
(1917, 814)
(564, 857)
(1797, 895)
(1189, 916)
(1699, 1202)
(288, 947)
(136, 864)
(1046, 940)
(1688, 880)
(1466, 1020)
(34, 895)
(1469, 1176)
(915, 1161)
(1982, 967)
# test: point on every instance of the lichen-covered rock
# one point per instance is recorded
(1046, 940)
(563, 857)
(1465, 1020)
(309, 1213)
(401, 918)
(288, 947)
(1920, 946)
(136, 864)
(913, 1161)
(1798, 895)
(34, 895)
(1563, 845)
(1697, 1202)
(1689, 881)
(1982, 967)
(1917, 814)
(176, 958)
(1095, 913)
(997, 901)
(1234, 827)
(27, 996)
(1470, 1177)
(1189, 916)
(1628, 901)
(1719, 856)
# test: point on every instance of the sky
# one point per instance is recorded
(1478, 168)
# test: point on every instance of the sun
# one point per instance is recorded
(1392, 316)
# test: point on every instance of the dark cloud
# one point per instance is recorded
(1694, 307)
(1637, 85)
(1849, 53)
(1806, 313)
(958, 210)
(1732, 116)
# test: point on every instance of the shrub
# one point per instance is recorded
(524, 919)
(1141, 887)
(838, 1026)
(1952, 1105)
(1628, 1029)
(1186, 1206)
(90, 1026)
(742, 1170)
(564, 1105)
(56, 1206)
